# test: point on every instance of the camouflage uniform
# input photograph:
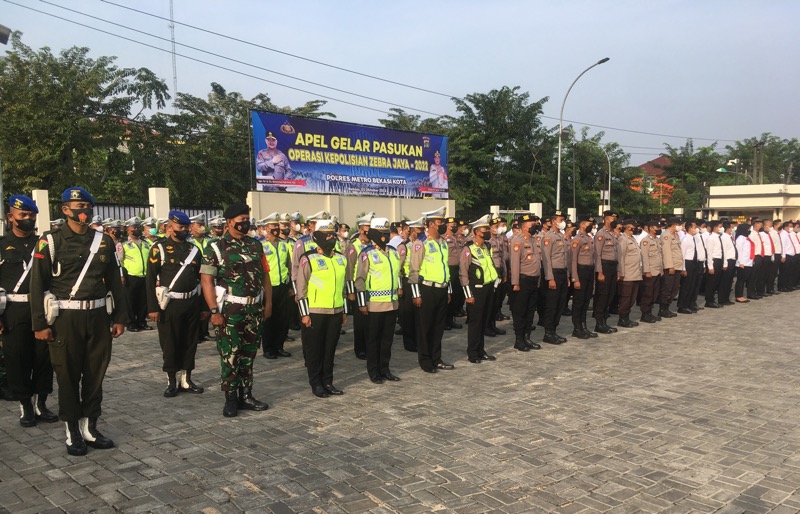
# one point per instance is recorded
(239, 265)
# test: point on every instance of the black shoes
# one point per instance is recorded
(187, 386)
(501, 317)
(475, 360)
(648, 318)
(171, 391)
(489, 332)
(684, 310)
(451, 323)
(361, 355)
(231, 408)
(712, 305)
(666, 313)
(247, 402)
(42, 412)
(391, 378)
(75, 444)
(533, 346)
(27, 416)
(579, 333)
(488, 357)
(553, 338)
(603, 329)
(444, 365)
(332, 389)
(587, 331)
(498, 331)
(92, 436)
(319, 391)
(625, 322)
(283, 353)
(376, 380)
(429, 370)
(271, 356)
(520, 345)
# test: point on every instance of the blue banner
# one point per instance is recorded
(307, 155)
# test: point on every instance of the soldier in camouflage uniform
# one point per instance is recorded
(237, 264)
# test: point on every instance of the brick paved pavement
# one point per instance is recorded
(694, 414)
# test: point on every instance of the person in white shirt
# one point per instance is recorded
(756, 275)
(700, 236)
(772, 248)
(728, 264)
(788, 260)
(713, 243)
(746, 251)
(691, 267)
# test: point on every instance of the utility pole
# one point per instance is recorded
(174, 62)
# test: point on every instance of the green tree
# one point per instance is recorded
(691, 172)
(65, 117)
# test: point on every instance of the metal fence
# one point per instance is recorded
(210, 212)
(117, 211)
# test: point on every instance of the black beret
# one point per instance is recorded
(236, 209)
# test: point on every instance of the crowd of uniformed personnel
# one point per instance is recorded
(67, 293)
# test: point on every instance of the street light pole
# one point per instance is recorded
(561, 129)
(5, 32)
(608, 160)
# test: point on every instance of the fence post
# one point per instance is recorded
(159, 201)
(43, 203)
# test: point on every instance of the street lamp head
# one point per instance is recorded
(601, 61)
(5, 32)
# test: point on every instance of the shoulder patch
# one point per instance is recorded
(363, 256)
(599, 238)
(516, 247)
(42, 244)
(644, 243)
(547, 242)
(417, 247)
(575, 244)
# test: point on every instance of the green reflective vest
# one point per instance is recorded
(135, 258)
(483, 258)
(383, 277)
(407, 261)
(326, 283)
(358, 245)
(277, 257)
(434, 264)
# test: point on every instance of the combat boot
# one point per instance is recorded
(172, 388)
(498, 331)
(247, 402)
(187, 385)
(75, 443)
(42, 412)
(92, 436)
(231, 408)
(551, 337)
(648, 318)
(27, 417)
(666, 313)
(609, 326)
(625, 322)
(519, 344)
(588, 332)
(579, 333)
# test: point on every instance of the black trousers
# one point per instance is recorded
(275, 329)
(178, 329)
(649, 291)
(583, 296)
(726, 281)
(744, 277)
(772, 273)
(524, 305)
(713, 282)
(554, 299)
(137, 300)
(457, 301)
(669, 286)
(319, 347)
(687, 294)
(757, 277)
(498, 297)
(605, 290)
(27, 360)
(80, 355)
(477, 316)
(380, 335)
(408, 318)
(360, 330)
(431, 317)
(786, 273)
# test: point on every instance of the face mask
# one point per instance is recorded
(181, 235)
(275, 232)
(465, 232)
(81, 216)
(561, 225)
(152, 231)
(242, 227)
(285, 231)
(441, 229)
(501, 230)
(201, 230)
(26, 225)
(485, 234)
(253, 234)
(324, 242)
(297, 227)
(593, 231)
(378, 237)
(658, 232)
(118, 234)
(137, 232)
(533, 230)
(637, 231)
(346, 234)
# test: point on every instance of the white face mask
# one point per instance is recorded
(465, 232)
(593, 231)
(501, 230)
(297, 227)
(346, 234)
(562, 225)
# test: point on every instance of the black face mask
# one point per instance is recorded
(81, 216)
(533, 230)
(485, 235)
(379, 238)
(275, 232)
(137, 232)
(588, 229)
(181, 235)
(637, 231)
(242, 226)
(118, 234)
(658, 232)
(441, 229)
(326, 243)
(285, 231)
(26, 225)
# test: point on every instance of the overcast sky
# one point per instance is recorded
(723, 70)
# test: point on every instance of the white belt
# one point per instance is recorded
(17, 297)
(439, 285)
(81, 305)
(184, 296)
(245, 300)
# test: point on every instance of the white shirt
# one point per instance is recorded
(701, 246)
(713, 249)
(756, 240)
(786, 242)
(689, 248)
(765, 241)
(638, 238)
(395, 241)
(728, 249)
(776, 240)
(796, 242)
(743, 245)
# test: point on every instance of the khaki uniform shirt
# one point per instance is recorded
(525, 258)
(652, 260)
(554, 253)
(582, 253)
(605, 248)
(630, 259)
(671, 251)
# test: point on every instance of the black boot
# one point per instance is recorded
(519, 344)
(625, 322)
(247, 402)
(530, 344)
(551, 337)
(588, 332)
(187, 385)
(92, 436)
(172, 386)
(498, 331)
(75, 443)
(488, 331)
(231, 404)
(42, 412)
(27, 417)
(605, 321)
(579, 333)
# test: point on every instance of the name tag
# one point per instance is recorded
(376, 258)
(340, 261)
(321, 264)
(432, 248)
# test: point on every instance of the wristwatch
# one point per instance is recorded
(215, 310)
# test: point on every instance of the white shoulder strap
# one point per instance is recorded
(161, 251)
(184, 265)
(92, 250)
(216, 251)
(28, 267)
